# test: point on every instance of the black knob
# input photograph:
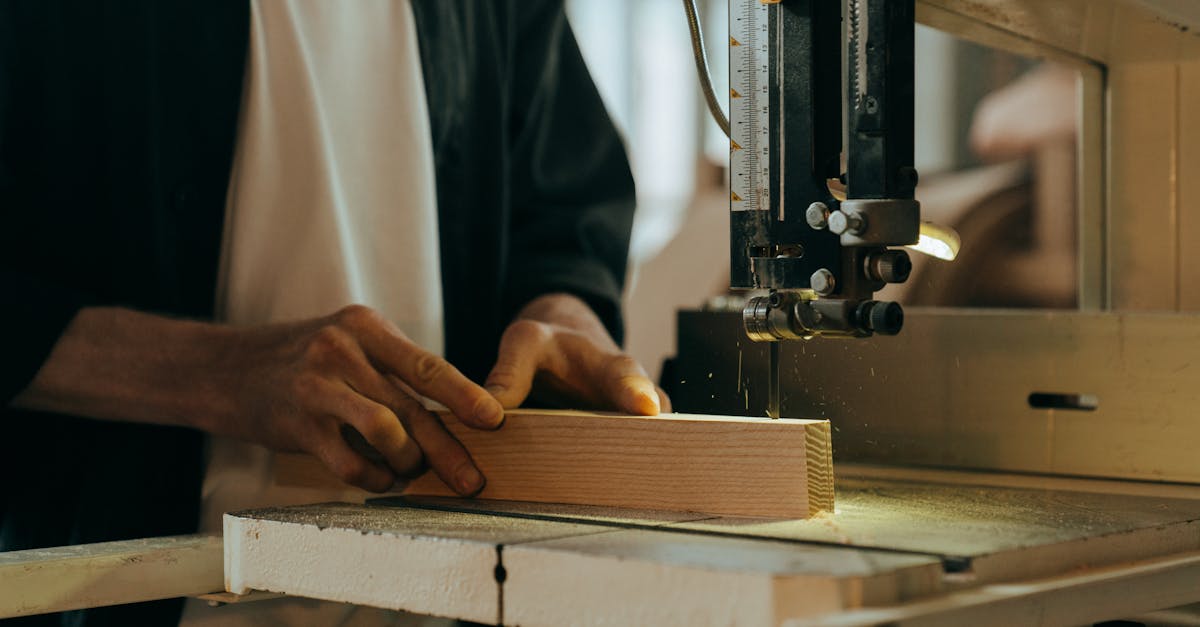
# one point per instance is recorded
(884, 318)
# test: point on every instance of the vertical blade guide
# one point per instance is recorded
(749, 93)
(750, 130)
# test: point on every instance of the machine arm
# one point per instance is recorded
(822, 257)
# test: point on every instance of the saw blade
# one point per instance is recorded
(857, 48)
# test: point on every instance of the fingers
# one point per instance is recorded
(375, 433)
(389, 432)
(629, 388)
(425, 372)
(447, 457)
(519, 357)
(350, 466)
(577, 367)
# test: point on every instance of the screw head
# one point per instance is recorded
(841, 222)
(817, 215)
(837, 223)
(822, 282)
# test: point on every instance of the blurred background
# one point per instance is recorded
(995, 148)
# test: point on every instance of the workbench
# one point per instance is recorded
(904, 547)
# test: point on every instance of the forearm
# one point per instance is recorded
(119, 364)
(294, 386)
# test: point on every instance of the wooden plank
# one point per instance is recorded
(709, 464)
(39, 581)
(422, 561)
(1077, 598)
(663, 578)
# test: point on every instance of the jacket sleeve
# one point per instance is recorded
(573, 193)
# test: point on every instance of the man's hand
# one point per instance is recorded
(342, 388)
(309, 384)
(558, 351)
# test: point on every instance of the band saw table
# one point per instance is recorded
(905, 546)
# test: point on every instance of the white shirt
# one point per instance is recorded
(332, 201)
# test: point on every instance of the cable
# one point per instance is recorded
(714, 107)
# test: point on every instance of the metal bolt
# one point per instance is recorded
(841, 222)
(817, 215)
(822, 282)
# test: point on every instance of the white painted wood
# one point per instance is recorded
(598, 566)
(427, 562)
(39, 581)
(661, 578)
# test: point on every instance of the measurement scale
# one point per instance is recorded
(749, 95)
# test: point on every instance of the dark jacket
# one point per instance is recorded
(117, 129)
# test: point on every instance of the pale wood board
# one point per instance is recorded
(1077, 598)
(993, 534)
(663, 578)
(885, 545)
(427, 562)
(980, 478)
(39, 581)
(709, 464)
(987, 531)
(512, 570)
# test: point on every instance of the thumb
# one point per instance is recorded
(511, 378)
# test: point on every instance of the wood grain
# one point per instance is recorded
(709, 464)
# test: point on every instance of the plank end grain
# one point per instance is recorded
(722, 465)
(818, 446)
